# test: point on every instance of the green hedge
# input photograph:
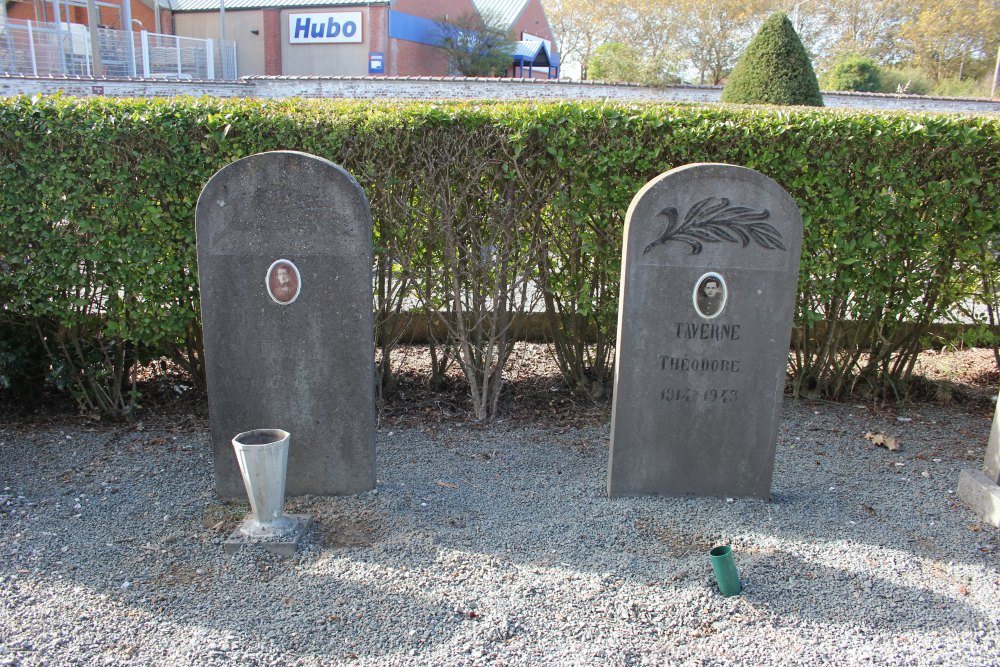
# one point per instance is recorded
(97, 257)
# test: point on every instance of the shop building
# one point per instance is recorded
(350, 38)
(321, 37)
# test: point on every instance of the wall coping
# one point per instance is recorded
(120, 79)
(248, 84)
(588, 82)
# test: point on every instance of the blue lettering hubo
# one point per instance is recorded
(302, 27)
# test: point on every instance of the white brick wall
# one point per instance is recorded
(910, 102)
(86, 87)
(427, 88)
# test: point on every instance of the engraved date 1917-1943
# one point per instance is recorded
(690, 395)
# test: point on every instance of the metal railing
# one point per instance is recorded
(32, 48)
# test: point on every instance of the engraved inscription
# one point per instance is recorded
(707, 331)
(699, 364)
(689, 395)
(713, 220)
(694, 366)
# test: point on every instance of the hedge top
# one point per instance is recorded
(774, 69)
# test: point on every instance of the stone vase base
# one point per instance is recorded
(980, 493)
(284, 544)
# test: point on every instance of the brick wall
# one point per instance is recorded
(532, 20)
(412, 59)
(378, 28)
(910, 102)
(272, 41)
(426, 88)
(404, 58)
(440, 9)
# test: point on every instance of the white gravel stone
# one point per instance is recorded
(501, 548)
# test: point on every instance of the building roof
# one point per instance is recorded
(505, 11)
(214, 5)
(531, 50)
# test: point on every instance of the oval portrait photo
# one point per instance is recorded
(710, 294)
(283, 282)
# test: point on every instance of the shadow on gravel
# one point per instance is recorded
(789, 586)
(269, 606)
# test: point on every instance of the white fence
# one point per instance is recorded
(64, 49)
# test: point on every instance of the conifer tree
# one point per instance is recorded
(774, 69)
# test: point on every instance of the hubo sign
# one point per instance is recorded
(326, 28)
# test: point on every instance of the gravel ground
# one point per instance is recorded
(497, 546)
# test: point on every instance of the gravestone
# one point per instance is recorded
(709, 272)
(980, 489)
(285, 266)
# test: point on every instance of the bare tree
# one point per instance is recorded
(715, 33)
(476, 45)
(480, 212)
(581, 26)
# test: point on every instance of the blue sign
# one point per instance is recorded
(376, 63)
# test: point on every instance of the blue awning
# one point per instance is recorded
(535, 52)
(413, 28)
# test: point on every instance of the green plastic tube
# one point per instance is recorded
(725, 571)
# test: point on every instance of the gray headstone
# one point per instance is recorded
(709, 271)
(285, 266)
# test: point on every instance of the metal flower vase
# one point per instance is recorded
(262, 455)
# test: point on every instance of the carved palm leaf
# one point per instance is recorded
(713, 220)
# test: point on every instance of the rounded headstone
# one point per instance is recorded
(709, 272)
(285, 268)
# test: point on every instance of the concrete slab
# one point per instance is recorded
(981, 494)
(991, 464)
(283, 546)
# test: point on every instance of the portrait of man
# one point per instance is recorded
(710, 295)
(283, 281)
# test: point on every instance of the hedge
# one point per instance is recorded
(472, 202)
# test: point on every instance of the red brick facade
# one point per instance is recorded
(271, 30)
(532, 20)
(111, 18)
(412, 59)
(378, 31)
(450, 9)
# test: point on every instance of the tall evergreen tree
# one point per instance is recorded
(774, 69)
